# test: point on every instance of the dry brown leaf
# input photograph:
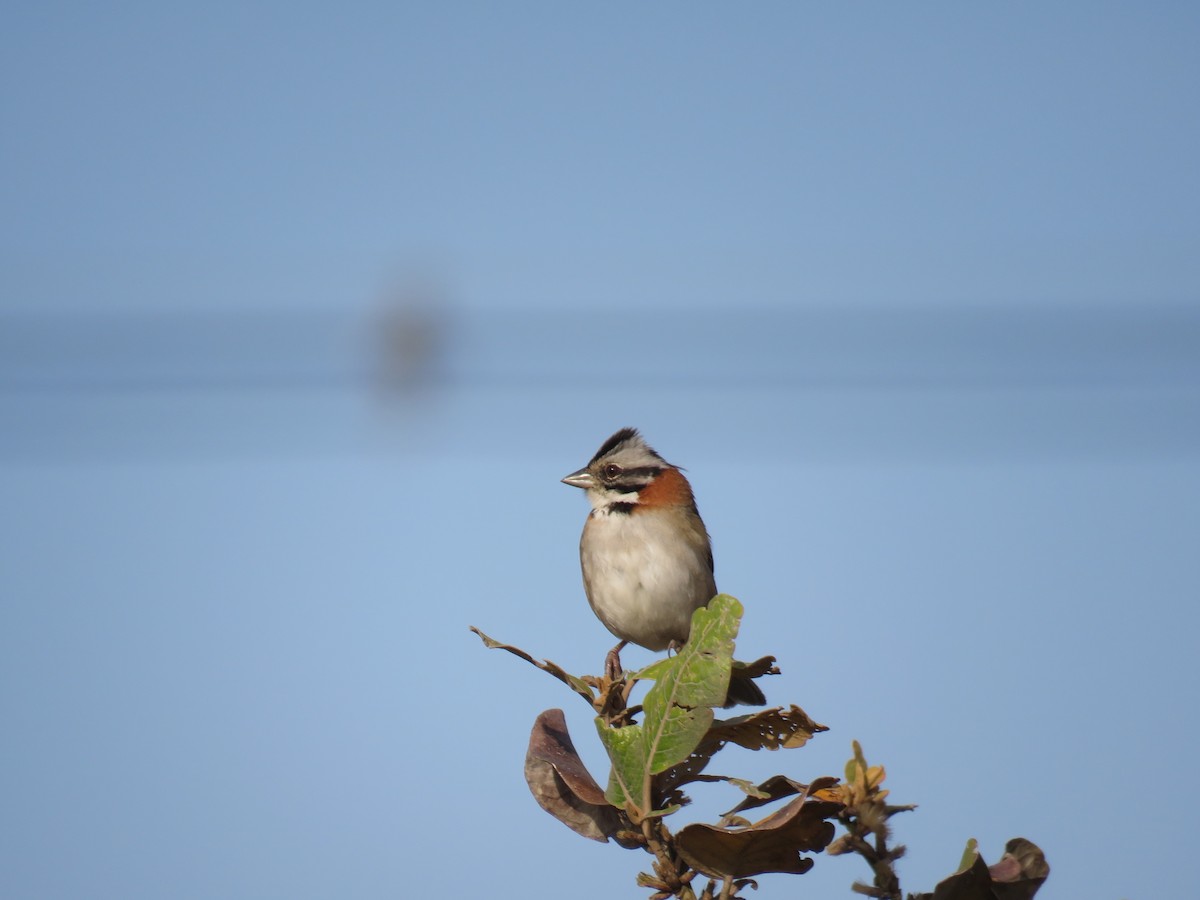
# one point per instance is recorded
(1017, 876)
(773, 844)
(1020, 872)
(578, 685)
(561, 783)
(758, 668)
(973, 883)
(779, 786)
(768, 729)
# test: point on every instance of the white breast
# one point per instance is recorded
(645, 575)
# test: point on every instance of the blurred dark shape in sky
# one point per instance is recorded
(412, 344)
(1098, 378)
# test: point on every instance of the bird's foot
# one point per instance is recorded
(612, 662)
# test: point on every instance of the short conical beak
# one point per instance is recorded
(580, 479)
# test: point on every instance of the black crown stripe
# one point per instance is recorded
(615, 441)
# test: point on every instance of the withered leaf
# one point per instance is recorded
(758, 668)
(561, 783)
(746, 787)
(776, 788)
(773, 844)
(1020, 872)
(667, 784)
(1017, 876)
(971, 883)
(578, 685)
(768, 729)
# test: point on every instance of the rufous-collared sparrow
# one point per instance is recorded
(646, 555)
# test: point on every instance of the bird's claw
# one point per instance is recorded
(612, 665)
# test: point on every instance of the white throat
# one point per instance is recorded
(600, 500)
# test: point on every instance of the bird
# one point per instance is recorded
(645, 554)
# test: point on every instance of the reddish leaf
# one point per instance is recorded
(1020, 871)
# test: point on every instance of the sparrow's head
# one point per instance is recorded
(628, 472)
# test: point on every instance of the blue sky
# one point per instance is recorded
(236, 578)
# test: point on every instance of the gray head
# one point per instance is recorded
(622, 466)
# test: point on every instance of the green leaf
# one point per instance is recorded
(677, 711)
(627, 753)
(856, 766)
(969, 855)
(653, 671)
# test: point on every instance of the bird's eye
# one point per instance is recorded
(611, 471)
